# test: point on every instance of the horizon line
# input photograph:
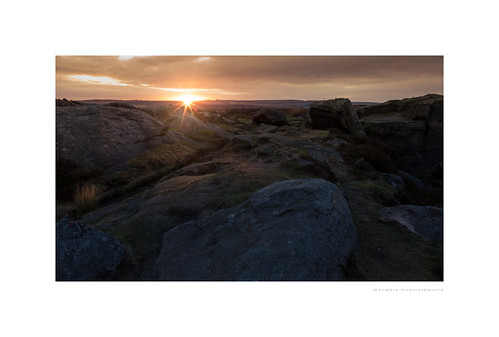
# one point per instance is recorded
(208, 100)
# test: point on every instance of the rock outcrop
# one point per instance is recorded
(413, 126)
(84, 254)
(104, 136)
(426, 221)
(417, 107)
(291, 230)
(270, 117)
(335, 113)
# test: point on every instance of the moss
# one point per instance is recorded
(207, 136)
(317, 135)
(228, 127)
(380, 156)
(163, 155)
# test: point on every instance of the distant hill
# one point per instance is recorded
(222, 104)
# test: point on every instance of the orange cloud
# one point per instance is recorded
(375, 78)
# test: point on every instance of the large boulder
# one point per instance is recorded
(335, 113)
(291, 230)
(105, 136)
(426, 221)
(84, 254)
(270, 117)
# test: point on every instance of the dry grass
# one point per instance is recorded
(85, 198)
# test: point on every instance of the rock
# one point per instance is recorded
(242, 142)
(413, 126)
(433, 147)
(104, 136)
(291, 230)
(335, 113)
(271, 117)
(65, 102)
(414, 181)
(322, 154)
(265, 128)
(197, 169)
(193, 127)
(84, 254)
(307, 120)
(426, 221)
(416, 107)
(394, 181)
(336, 143)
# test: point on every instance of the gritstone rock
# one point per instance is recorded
(335, 113)
(291, 230)
(84, 254)
(426, 221)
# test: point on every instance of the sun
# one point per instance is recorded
(188, 99)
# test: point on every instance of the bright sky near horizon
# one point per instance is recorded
(360, 78)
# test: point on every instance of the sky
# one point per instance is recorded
(359, 78)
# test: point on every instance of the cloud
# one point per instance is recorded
(263, 76)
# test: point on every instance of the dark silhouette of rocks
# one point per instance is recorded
(291, 230)
(121, 105)
(335, 113)
(271, 117)
(85, 254)
(65, 102)
(426, 221)
(418, 107)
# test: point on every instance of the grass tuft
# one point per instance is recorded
(85, 198)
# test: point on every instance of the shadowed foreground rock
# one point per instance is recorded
(106, 136)
(426, 221)
(84, 254)
(291, 230)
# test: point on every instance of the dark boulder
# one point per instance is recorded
(291, 230)
(270, 117)
(335, 113)
(426, 221)
(105, 136)
(84, 254)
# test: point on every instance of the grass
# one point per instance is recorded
(69, 175)
(85, 198)
(163, 155)
(389, 252)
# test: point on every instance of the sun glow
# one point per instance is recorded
(188, 99)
